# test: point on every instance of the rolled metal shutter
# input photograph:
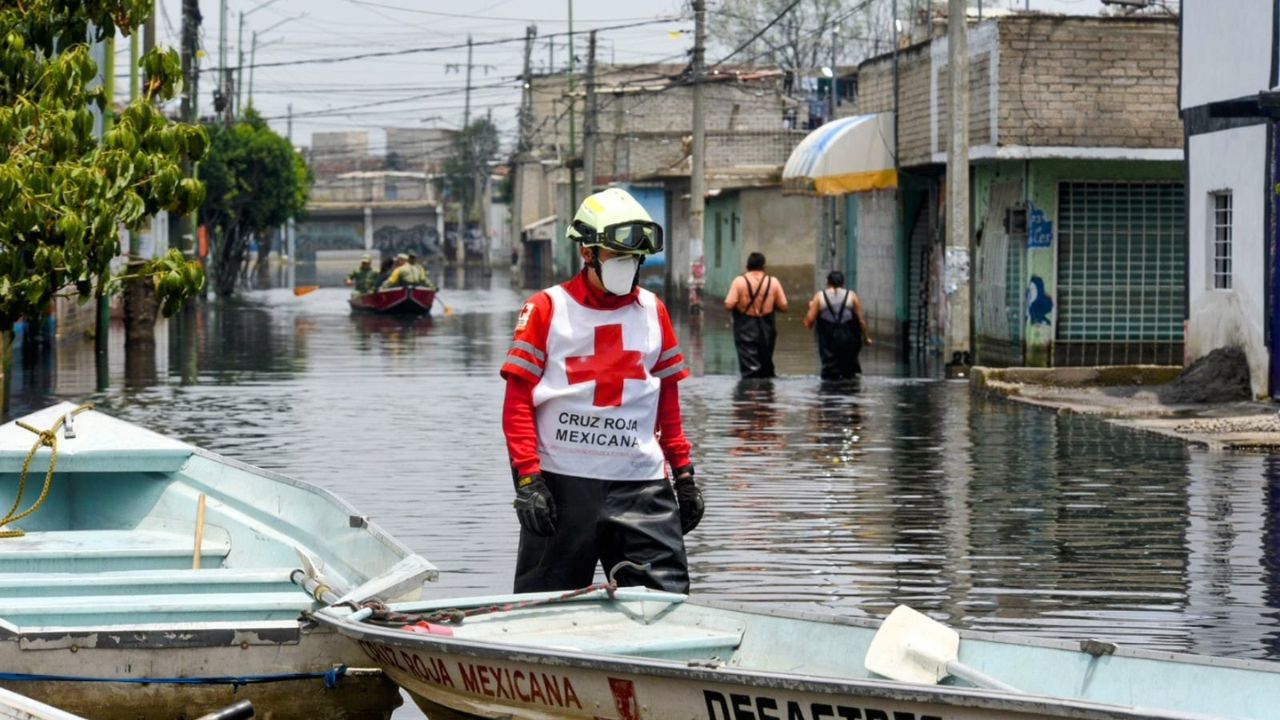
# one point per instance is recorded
(1121, 268)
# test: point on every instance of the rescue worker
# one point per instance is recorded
(364, 278)
(840, 326)
(403, 274)
(592, 415)
(420, 275)
(753, 299)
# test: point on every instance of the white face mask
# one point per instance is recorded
(618, 274)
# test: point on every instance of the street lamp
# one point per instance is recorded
(253, 49)
(240, 48)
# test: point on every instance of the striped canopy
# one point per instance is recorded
(848, 155)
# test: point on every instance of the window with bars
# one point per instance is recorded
(1220, 236)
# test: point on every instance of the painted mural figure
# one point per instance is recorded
(592, 416)
(753, 299)
(835, 315)
(1039, 304)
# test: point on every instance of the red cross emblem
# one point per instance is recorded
(609, 367)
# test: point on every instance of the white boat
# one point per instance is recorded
(19, 707)
(155, 579)
(660, 656)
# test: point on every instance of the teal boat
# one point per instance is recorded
(660, 656)
(143, 577)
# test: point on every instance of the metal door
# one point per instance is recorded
(1122, 258)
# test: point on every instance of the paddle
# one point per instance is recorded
(305, 290)
(912, 647)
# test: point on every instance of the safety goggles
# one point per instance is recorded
(628, 237)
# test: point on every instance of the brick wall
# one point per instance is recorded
(1063, 81)
(1090, 82)
(875, 95)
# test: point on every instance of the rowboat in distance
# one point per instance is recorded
(661, 656)
(145, 577)
(410, 300)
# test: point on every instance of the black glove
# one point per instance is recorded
(690, 498)
(534, 505)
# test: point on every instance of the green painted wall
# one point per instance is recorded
(1042, 194)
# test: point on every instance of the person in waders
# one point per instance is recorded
(753, 299)
(592, 417)
(840, 327)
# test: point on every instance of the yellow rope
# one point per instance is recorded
(44, 438)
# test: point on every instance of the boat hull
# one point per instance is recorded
(395, 301)
(539, 689)
(673, 659)
(160, 580)
(361, 691)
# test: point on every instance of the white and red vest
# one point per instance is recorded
(596, 403)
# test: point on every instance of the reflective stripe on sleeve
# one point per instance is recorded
(523, 364)
(674, 351)
(673, 370)
(529, 348)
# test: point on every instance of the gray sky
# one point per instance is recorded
(426, 89)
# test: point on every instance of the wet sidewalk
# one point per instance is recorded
(1129, 396)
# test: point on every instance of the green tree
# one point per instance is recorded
(65, 193)
(256, 181)
(467, 167)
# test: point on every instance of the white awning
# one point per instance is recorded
(848, 155)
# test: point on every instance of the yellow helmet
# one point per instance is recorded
(612, 219)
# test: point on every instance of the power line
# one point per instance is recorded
(436, 48)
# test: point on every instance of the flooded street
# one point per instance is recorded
(987, 514)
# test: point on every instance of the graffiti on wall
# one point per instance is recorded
(1039, 303)
(422, 239)
(1039, 228)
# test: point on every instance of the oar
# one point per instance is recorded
(305, 290)
(912, 647)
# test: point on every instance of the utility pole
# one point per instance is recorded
(289, 125)
(573, 142)
(697, 165)
(253, 59)
(190, 96)
(589, 127)
(466, 113)
(223, 87)
(525, 143)
(239, 82)
(835, 75)
(957, 250)
(526, 95)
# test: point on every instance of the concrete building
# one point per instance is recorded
(1229, 108)
(382, 211)
(1077, 251)
(643, 145)
(419, 149)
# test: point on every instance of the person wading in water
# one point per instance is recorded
(753, 299)
(841, 328)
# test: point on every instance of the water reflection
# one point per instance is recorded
(851, 497)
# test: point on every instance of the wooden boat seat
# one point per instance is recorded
(102, 550)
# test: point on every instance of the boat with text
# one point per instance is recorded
(633, 653)
(141, 576)
(408, 300)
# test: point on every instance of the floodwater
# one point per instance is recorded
(848, 500)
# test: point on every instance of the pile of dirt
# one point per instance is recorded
(1219, 377)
